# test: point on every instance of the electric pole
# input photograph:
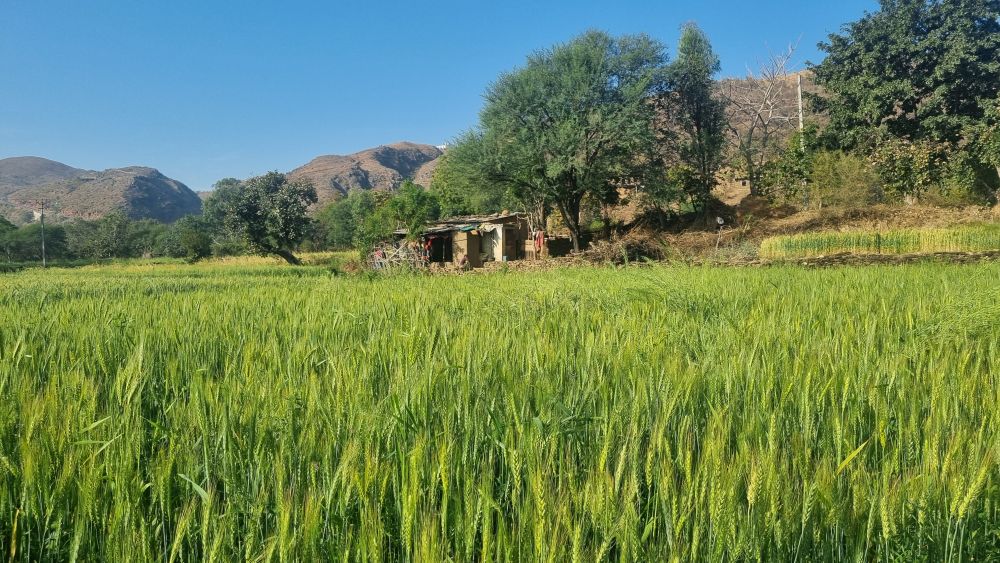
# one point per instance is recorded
(802, 140)
(41, 218)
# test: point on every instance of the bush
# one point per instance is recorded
(631, 247)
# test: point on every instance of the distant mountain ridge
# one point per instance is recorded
(382, 168)
(25, 171)
(141, 192)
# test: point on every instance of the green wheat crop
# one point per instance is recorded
(960, 239)
(231, 413)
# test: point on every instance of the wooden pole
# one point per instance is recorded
(802, 141)
(42, 219)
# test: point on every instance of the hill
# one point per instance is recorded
(26, 171)
(380, 168)
(68, 192)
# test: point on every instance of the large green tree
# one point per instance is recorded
(463, 185)
(189, 237)
(987, 141)
(573, 121)
(914, 69)
(412, 207)
(224, 194)
(268, 212)
(111, 237)
(694, 116)
(338, 222)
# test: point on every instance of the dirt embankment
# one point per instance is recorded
(753, 220)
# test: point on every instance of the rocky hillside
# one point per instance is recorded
(380, 168)
(27, 171)
(69, 192)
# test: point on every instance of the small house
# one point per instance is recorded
(500, 237)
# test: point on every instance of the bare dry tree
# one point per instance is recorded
(760, 111)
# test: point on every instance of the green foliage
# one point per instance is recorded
(990, 135)
(915, 85)
(374, 229)
(412, 207)
(695, 121)
(110, 237)
(145, 237)
(934, 172)
(24, 244)
(679, 183)
(267, 212)
(789, 175)
(116, 236)
(914, 69)
(210, 413)
(80, 237)
(190, 237)
(910, 169)
(813, 176)
(462, 183)
(365, 218)
(573, 121)
(841, 179)
(986, 147)
(338, 222)
(225, 194)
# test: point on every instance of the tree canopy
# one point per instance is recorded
(913, 84)
(268, 212)
(694, 117)
(913, 69)
(463, 182)
(573, 121)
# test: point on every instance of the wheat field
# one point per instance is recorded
(972, 238)
(265, 413)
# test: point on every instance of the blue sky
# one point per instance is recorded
(207, 89)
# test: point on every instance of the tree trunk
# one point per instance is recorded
(570, 211)
(998, 189)
(537, 217)
(288, 257)
(751, 180)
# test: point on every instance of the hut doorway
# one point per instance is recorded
(439, 248)
(492, 242)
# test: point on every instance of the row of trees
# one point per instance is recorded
(583, 119)
(269, 215)
(910, 99)
(364, 218)
(263, 215)
(114, 236)
(578, 119)
(907, 103)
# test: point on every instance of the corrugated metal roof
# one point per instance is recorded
(464, 223)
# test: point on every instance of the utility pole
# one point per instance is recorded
(802, 138)
(41, 218)
(802, 141)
